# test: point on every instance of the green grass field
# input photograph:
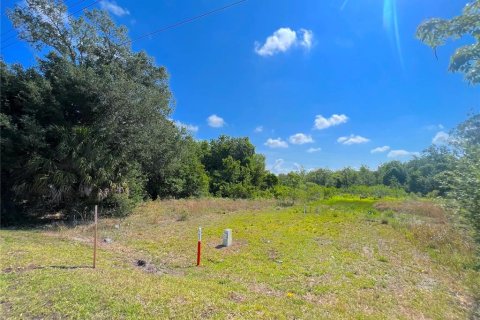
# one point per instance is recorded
(344, 259)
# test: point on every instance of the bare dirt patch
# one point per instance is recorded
(272, 254)
(237, 297)
(324, 300)
(149, 267)
(262, 288)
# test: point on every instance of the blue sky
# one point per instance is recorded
(312, 83)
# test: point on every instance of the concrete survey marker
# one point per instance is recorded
(227, 238)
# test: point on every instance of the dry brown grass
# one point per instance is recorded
(143, 225)
(420, 208)
(186, 209)
(431, 229)
(218, 205)
(441, 237)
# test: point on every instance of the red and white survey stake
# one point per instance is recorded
(199, 246)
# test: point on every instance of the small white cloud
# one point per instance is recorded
(313, 150)
(323, 123)
(258, 129)
(215, 121)
(189, 127)
(401, 154)
(307, 39)
(276, 143)
(380, 149)
(300, 138)
(114, 8)
(441, 138)
(352, 139)
(282, 40)
(432, 127)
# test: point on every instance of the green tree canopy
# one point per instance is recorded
(90, 122)
(466, 59)
(235, 170)
(465, 181)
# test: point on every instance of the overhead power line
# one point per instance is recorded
(80, 10)
(168, 27)
(185, 21)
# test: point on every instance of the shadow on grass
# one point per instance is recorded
(43, 224)
(65, 267)
(33, 267)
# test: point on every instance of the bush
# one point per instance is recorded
(378, 191)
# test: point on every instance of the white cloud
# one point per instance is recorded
(258, 129)
(276, 143)
(307, 39)
(282, 40)
(402, 153)
(352, 139)
(441, 138)
(380, 149)
(435, 127)
(323, 123)
(114, 8)
(189, 127)
(312, 150)
(300, 138)
(215, 121)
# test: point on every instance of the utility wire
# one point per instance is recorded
(182, 22)
(168, 27)
(76, 3)
(80, 10)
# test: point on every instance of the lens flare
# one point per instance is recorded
(344, 5)
(390, 23)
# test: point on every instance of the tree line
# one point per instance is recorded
(423, 175)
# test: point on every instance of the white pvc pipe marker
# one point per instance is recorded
(227, 238)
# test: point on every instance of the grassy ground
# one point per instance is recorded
(343, 259)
